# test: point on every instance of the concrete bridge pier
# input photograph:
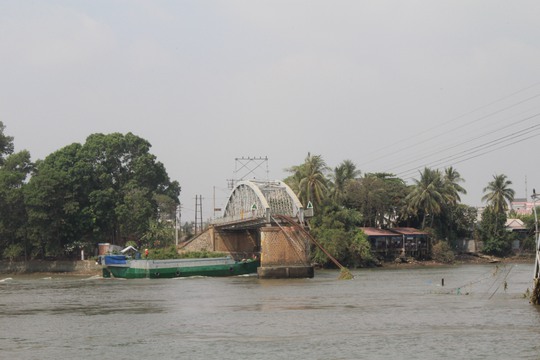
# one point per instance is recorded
(284, 254)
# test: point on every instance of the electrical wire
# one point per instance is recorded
(394, 169)
(520, 135)
(453, 120)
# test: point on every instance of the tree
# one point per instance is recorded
(379, 198)
(498, 193)
(343, 173)
(492, 231)
(103, 190)
(336, 229)
(452, 188)
(309, 181)
(13, 217)
(57, 202)
(492, 228)
(427, 195)
(127, 176)
(6, 144)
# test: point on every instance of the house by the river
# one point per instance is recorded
(395, 242)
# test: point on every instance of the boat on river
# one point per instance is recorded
(122, 266)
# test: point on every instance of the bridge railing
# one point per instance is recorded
(244, 216)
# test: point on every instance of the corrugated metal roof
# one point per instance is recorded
(371, 231)
(408, 231)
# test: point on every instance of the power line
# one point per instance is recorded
(464, 142)
(439, 126)
(474, 151)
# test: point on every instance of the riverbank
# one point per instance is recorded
(463, 259)
(89, 267)
(79, 267)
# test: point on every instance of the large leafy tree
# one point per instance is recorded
(6, 144)
(498, 193)
(336, 229)
(13, 219)
(103, 190)
(14, 170)
(57, 202)
(378, 197)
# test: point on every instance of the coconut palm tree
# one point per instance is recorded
(427, 195)
(313, 186)
(452, 188)
(309, 180)
(498, 193)
(342, 174)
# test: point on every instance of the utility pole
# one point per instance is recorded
(177, 222)
(198, 214)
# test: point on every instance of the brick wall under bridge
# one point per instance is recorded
(241, 244)
(283, 251)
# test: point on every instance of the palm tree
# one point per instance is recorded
(427, 195)
(498, 193)
(342, 174)
(452, 188)
(309, 179)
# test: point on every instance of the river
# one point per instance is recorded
(383, 313)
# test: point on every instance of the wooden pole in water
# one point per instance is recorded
(535, 296)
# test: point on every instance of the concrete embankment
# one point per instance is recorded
(44, 266)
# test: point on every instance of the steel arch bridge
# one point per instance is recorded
(253, 202)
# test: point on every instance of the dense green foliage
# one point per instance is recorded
(170, 252)
(345, 201)
(112, 189)
(109, 189)
(336, 229)
(378, 197)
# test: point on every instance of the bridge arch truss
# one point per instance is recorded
(260, 200)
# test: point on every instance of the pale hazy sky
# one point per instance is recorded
(391, 85)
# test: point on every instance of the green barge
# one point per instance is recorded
(121, 266)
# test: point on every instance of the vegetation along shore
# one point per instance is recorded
(112, 189)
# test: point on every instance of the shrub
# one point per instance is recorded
(13, 251)
(442, 252)
(170, 252)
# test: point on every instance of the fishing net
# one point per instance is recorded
(345, 274)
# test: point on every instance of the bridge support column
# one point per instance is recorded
(284, 254)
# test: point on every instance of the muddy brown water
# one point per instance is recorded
(480, 313)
